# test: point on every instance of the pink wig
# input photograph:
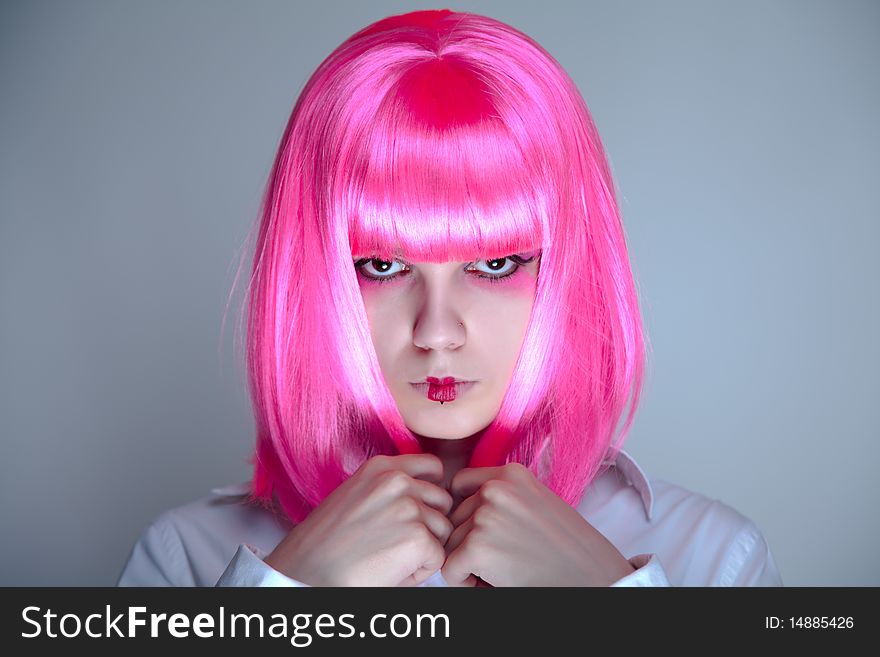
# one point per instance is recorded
(435, 136)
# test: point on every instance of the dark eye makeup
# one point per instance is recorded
(518, 260)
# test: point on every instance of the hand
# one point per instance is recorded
(511, 530)
(383, 526)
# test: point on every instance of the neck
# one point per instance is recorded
(455, 453)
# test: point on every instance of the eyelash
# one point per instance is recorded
(491, 279)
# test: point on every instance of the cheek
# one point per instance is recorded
(521, 284)
(383, 312)
(501, 327)
(500, 345)
(511, 299)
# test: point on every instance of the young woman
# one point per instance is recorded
(443, 335)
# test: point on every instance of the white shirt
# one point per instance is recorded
(671, 536)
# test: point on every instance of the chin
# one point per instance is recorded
(445, 432)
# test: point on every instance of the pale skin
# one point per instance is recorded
(399, 519)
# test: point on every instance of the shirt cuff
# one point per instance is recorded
(247, 568)
(648, 572)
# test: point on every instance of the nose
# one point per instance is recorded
(439, 335)
(438, 325)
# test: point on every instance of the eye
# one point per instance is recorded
(502, 268)
(380, 269)
(497, 268)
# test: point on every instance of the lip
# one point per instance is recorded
(443, 392)
(446, 380)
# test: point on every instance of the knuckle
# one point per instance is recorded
(421, 536)
(378, 462)
(483, 516)
(516, 470)
(448, 506)
(433, 458)
(492, 490)
(448, 529)
(394, 480)
(427, 536)
(408, 507)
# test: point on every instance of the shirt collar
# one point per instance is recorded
(233, 490)
(624, 462)
(636, 478)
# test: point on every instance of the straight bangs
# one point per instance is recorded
(442, 181)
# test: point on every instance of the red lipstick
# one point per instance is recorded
(443, 390)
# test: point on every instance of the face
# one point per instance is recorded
(458, 319)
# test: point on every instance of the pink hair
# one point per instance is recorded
(437, 136)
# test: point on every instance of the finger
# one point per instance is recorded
(464, 510)
(410, 580)
(466, 481)
(431, 564)
(437, 523)
(419, 466)
(458, 568)
(416, 578)
(458, 535)
(432, 495)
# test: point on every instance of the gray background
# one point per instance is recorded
(136, 138)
